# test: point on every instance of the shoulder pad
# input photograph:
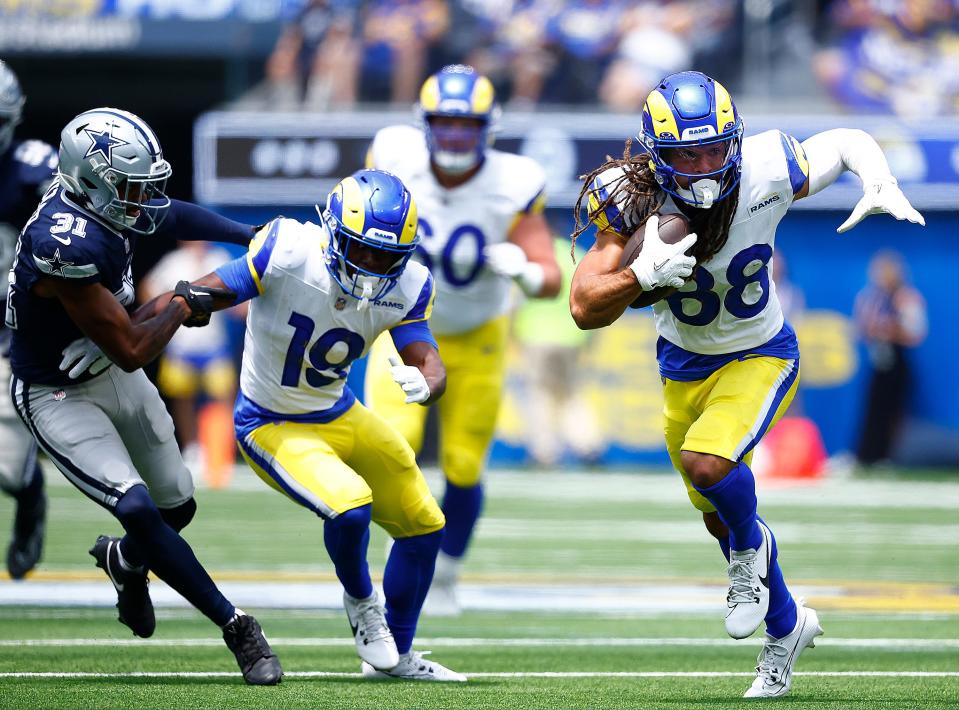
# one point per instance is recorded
(293, 243)
(394, 146)
(521, 177)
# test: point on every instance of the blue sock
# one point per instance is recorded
(169, 555)
(462, 508)
(724, 546)
(782, 615)
(409, 572)
(734, 498)
(347, 537)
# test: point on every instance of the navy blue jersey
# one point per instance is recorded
(62, 240)
(26, 170)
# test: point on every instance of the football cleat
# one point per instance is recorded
(256, 659)
(374, 640)
(26, 545)
(776, 660)
(413, 666)
(133, 588)
(442, 598)
(748, 597)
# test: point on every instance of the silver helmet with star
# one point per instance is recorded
(11, 105)
(111, 161)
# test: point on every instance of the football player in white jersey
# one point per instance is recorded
(729, 361)
(321, 295)
(483, 229)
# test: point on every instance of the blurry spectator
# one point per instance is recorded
(197, 361)
(895, 55)
(891, 316)
(582, 36)
(316, 57)
(398, 36)
(556, 412)
(654, 44)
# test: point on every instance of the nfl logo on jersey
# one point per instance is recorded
(340, 303)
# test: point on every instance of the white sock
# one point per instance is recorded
(126, 566)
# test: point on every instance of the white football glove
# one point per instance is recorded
(882, 196)
(509, 260)
(410, 379)
(82, 355)
(660, 264)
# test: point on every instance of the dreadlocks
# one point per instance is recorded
(644, 197)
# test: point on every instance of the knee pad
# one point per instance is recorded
(180, 516)
(137, 512)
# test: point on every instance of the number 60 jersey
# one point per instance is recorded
(730, 306)
(303, 332)
(455, 224)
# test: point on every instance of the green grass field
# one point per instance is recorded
(583, 591)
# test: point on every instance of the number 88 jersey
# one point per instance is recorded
(456, 224)
(730, 305)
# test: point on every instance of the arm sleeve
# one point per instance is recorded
(191, 222)
(406, 333)
(246, 274)
(830, 153)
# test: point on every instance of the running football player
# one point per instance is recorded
(729, 361)
(483, 229)
(321, 294)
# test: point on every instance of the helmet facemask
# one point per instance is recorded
(456, 147)
(139, 203)
(702, 190)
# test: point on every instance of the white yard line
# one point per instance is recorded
(534, 674)
(453, 642)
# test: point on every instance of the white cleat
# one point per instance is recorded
(413, 666)
(776, 660)
(442, 599)
(374, 640)
(748, 597)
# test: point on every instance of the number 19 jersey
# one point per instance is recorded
(455, 224)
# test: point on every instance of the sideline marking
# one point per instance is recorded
(543, 674)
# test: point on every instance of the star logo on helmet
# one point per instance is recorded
(103, 143)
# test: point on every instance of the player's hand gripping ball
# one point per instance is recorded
(673, 228)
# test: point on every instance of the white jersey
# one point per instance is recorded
(732, 304)
(455, 224)
(303, 332)
(187, 263)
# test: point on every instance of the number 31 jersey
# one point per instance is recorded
(455, 224)
(730, 306)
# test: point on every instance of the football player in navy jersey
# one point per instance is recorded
(26, 170)
(76, 355)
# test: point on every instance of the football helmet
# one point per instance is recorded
(112, 162)
(372, 221)
(691, 109)
(458, 91)
(11, 106)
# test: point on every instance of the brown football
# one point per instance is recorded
(672, 228)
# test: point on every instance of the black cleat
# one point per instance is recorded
(256, 659)
(26, 545)
(133, 588)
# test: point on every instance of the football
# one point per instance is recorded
(672, 228)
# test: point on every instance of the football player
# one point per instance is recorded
(26, 171)
(104, 426)
(729, 361)
(321, 295)
(483, 229)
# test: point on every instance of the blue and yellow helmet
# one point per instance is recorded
(691, 109)
(370, 210)
(458, 91)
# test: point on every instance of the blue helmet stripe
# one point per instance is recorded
(141, 128)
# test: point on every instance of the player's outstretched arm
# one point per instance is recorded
(830, 153)
(100, 316)
(191, 222)
(421, 372)
(204, 296)
(528, 257)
